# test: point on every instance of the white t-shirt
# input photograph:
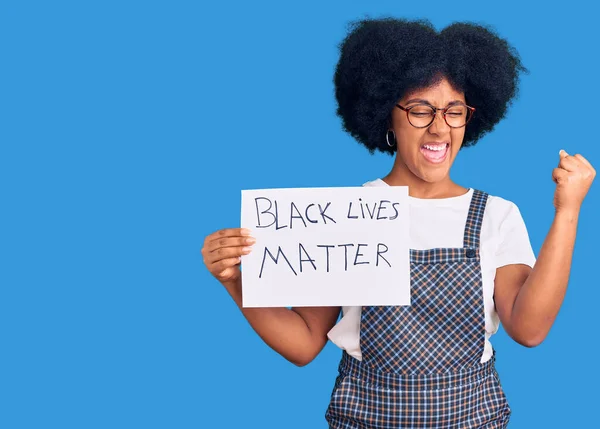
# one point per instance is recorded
(438, 223)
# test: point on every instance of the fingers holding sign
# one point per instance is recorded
(223, 250)
(573, 177)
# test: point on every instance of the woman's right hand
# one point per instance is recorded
(222, 252)
(297, 334)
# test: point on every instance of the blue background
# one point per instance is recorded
(128, 129)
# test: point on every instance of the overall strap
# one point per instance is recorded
(475, 219)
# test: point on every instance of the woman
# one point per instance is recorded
(404, 88)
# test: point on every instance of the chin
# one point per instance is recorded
(427, 171)
(432, 174)
(434, 178)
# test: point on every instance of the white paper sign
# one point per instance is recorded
(326, 247)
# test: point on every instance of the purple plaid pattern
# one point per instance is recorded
(421, 363)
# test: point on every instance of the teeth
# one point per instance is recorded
(435, 148)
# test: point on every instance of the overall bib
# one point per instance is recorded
(420, 364)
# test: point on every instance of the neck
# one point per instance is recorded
(419, 188)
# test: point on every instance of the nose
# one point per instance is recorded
(439, 125)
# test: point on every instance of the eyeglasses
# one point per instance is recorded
(422, 115)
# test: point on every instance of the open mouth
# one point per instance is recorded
(435, 152)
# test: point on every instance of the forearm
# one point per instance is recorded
(541, 296)
(282, 329)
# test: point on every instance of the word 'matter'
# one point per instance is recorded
(350, 257)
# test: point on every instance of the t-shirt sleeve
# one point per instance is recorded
(514, 245)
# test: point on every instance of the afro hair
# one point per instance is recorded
(383, 59)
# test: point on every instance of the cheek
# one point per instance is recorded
(409, 141)
(457, 137)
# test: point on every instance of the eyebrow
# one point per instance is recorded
(421, 100)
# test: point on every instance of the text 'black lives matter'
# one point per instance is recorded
(320, 257)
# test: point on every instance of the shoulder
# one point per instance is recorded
(501, 208)
(505, 231)
(503, 217)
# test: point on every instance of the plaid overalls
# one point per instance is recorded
(420, 364)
